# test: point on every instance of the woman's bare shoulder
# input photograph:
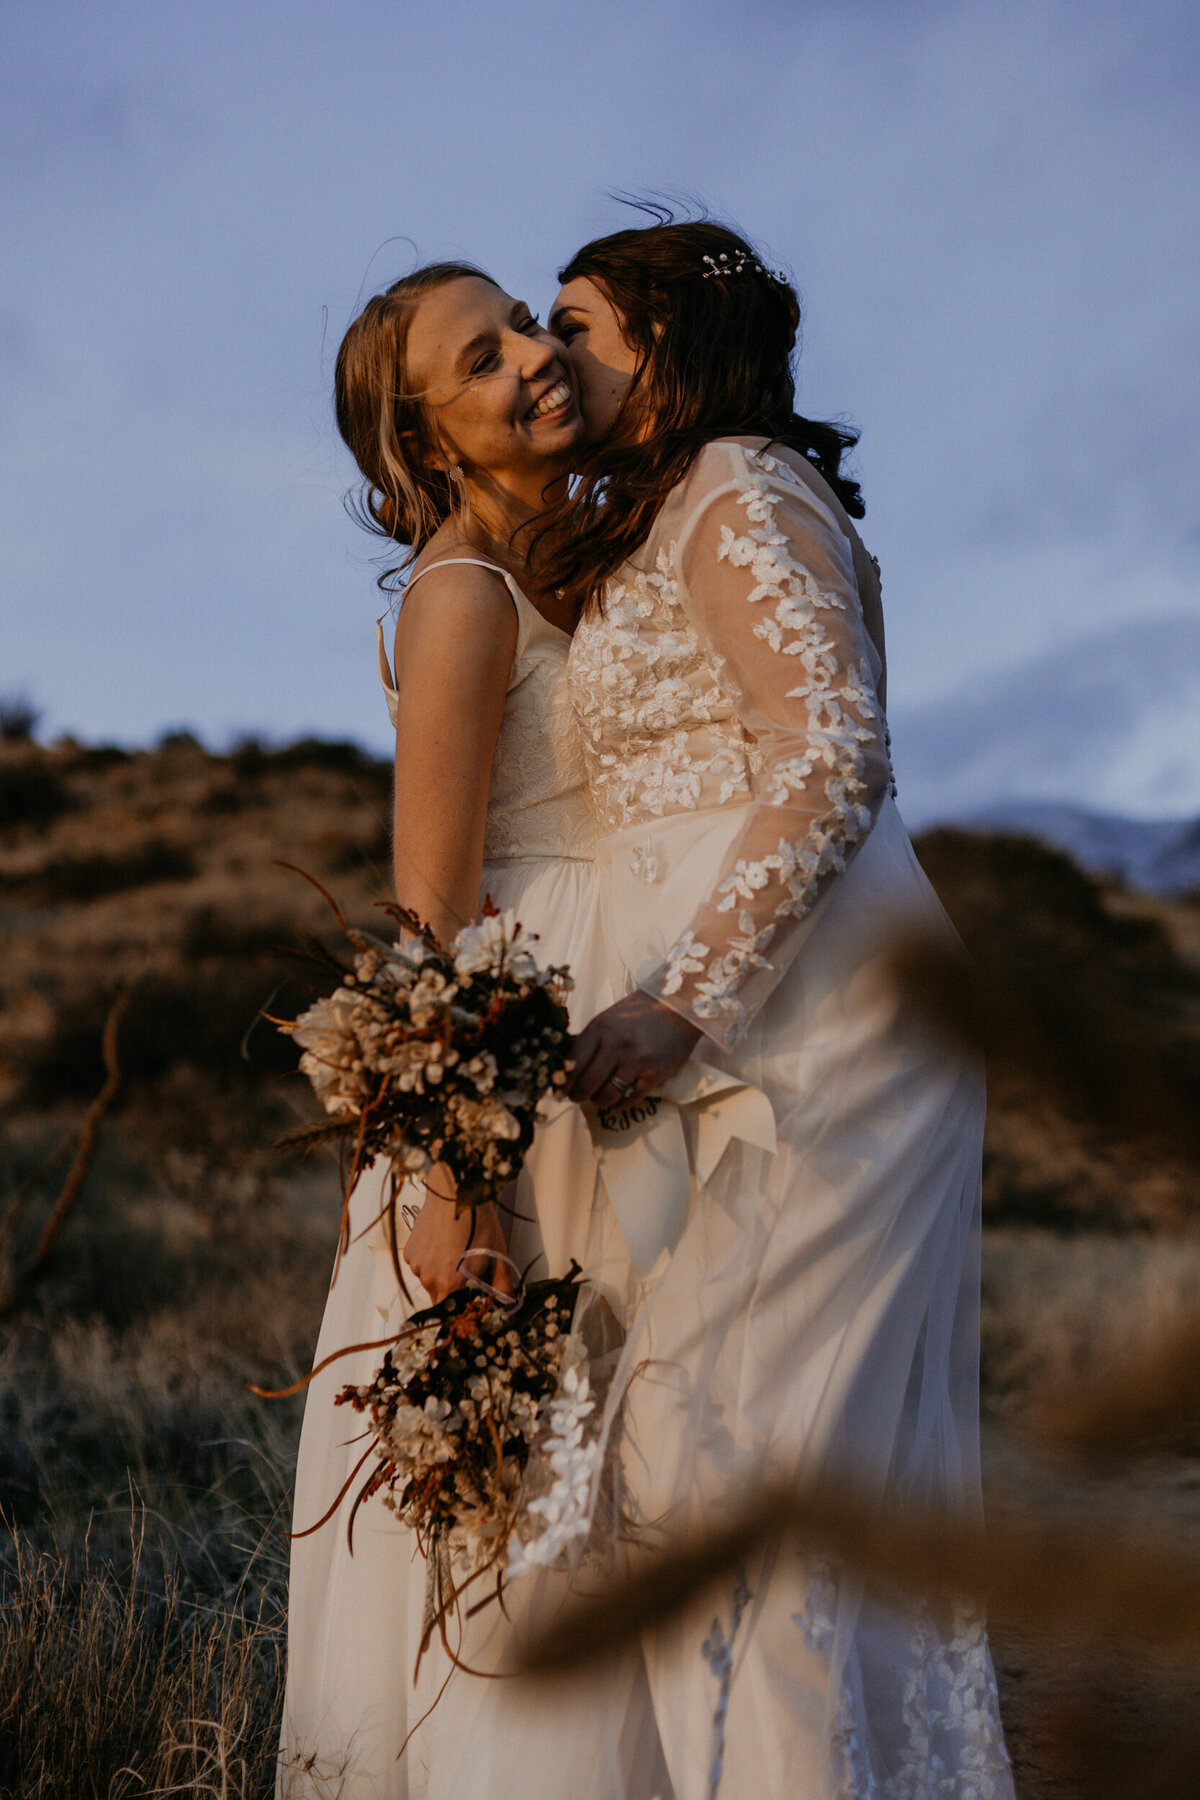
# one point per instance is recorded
(450, 564)
(461, 603)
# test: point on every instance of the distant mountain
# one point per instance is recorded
(1109, 724)
(1157, 856)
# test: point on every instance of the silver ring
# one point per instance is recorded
(624, 1088)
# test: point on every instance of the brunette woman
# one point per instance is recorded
(817, 1314)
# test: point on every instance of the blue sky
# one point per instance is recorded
(991, 211)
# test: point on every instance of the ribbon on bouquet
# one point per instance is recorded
(651, 1151)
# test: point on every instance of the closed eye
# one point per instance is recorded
(487, 359)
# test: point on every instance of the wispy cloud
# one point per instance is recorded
(1108, 721)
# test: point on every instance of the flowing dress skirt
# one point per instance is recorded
(355, 1620)
(819, 1316)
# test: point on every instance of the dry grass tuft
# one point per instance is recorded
(144, 1494)
(120, 1683)
(1063, 1312)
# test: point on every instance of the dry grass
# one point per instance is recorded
(143, 1492)
(120, 1683)
(1059, 1309)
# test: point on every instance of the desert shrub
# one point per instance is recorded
(94, 875)
(179, 739)
(249, 758)
(30, 793)
(205, 1017)
(19, 717)
(1000, 887)
(338, 755)
(95, 758)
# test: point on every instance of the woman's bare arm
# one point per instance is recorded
(455, 642)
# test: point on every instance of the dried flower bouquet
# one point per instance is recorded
(425, 1054)
(469, 1391)
(481, 1418)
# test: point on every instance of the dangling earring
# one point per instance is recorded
(460, 505)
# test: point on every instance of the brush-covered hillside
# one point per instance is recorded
(144, 1492)
(162, 869)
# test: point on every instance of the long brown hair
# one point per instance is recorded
(386, 426)
(714, 331)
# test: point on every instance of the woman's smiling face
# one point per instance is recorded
(590, 329)
(497, 388)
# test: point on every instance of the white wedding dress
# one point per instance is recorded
(819, 1312)
(355, 1620)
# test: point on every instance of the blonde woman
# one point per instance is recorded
(461, 413)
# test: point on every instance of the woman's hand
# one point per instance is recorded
(439, 1237)
(629, 1050)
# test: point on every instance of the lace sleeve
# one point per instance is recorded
(767, 580)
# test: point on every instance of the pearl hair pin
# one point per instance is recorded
(740, 262)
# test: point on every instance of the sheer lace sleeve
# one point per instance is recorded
(767, 580)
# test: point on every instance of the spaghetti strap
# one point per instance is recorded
(475, 562)
(443, 562)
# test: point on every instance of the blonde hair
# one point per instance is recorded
(386, 426)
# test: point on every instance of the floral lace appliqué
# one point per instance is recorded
(731, 667)
(659, 729)
(644, 863)
(717, 1651)
(843, 720)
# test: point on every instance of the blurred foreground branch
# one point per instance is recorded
(15, 1283)
(1053, 1580)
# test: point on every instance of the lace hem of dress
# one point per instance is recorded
(952, 1742)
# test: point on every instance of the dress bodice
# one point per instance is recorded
(538, 799)
(659, 708)
(659, 727)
